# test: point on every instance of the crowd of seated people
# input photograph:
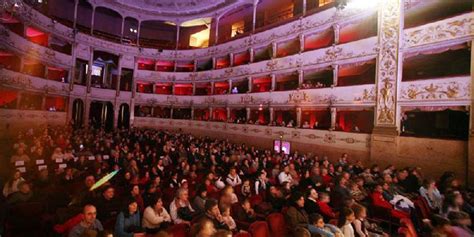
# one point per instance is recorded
(181, 184)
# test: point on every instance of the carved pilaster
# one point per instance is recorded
(333, 118)
(470, 156)
(389, 63)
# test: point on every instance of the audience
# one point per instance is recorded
(213, 186)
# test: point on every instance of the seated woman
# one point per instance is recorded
(245, 212)
(346, 217)
(318, 226)
(128, 221)
(296, 216)
(431, 194)
(362, 228)
(155, 217)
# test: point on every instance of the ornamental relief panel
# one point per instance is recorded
(448, 29)
(357, 141)
(26, 82)
(387, 70)
(430, 90)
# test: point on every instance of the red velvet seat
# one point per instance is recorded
(179, 230)
(277, 224)
(242, 234)
(407, 228)
(259, 229)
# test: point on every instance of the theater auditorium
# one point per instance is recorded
(236, 118)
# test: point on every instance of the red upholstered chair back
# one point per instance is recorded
(277, 224)
(410, 228)
(242, 234)
(179, 230)
(259, 229)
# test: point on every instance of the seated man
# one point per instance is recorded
(107, 204)
(88, 225)
(213, 214)
(24, 194)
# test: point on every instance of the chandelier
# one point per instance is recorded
(10, 6)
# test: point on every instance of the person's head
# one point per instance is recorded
(90, 213)
(204, 228)
(212, 208)
(135, 190)
(16, 175)
(246, 205)
(246, 182)
(317, 220)
(182, 194)
(378, 188)
(429, 183)
(132, 205)
(202, 191)
(360, 211)
(346, 216)
(460, 218)
(109, 192)
(286, 169)
(156, 202)
(233, 171)
(301, 232)
(89, 181)
(313, 194)
(297, 199)
(385, 186)
(324, 197)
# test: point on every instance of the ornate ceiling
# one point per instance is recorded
(179, 10)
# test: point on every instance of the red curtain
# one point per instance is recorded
(7, 96)
(55, 102)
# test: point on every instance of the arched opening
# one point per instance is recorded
(124, 116)
(77, 113)
(107, 24)
(101, 115)
(84, 16)
(130, 31)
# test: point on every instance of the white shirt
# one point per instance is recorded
(284, 177)
(152, 219)
(233, 181)
(347, 230)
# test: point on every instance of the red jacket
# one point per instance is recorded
(326, 210)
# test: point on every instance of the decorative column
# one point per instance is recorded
(87, 107)
(72, 71)
(230, 87)
(211, 114)
(216, 36)
(70, 108)
(384, 142)
(18, 100)
(470, 155)
(333, 118)
(92, 20)
(119, 75)
(254, 15)
(304, 7)
(153, 89)
(214, 63)
(274, 49)
(89, 70)
(194, 88)
(250, 84)
(247, 116)
(195, 62)
(212, 88)
(335, 73)
(298, 117)
(273, 86)
(177, 35)
(228, 110)
(76, 4)
(171, 112)
(231, 59)
(116, 112)
(121, 29)
(192, 113)
(336, 29)
(138, 32)
(134, 91)
(252, 55)
(43, 102)
(272, 114)
(300, 77)
(301, 38)
(173, 88)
